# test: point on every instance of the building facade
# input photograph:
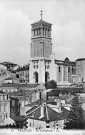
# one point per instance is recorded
(4, 107)
(23, 74)
(80, 70)
(43, 65)
(14, 107)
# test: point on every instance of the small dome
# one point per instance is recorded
(66, 59)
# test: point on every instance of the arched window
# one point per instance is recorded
(36, 77)
(45, 32)
(34, 32)
(46, 77)
(59, 69)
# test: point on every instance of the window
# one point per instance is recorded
(0, 118)
(0, 97)
(13, 102)
(37, 66)
(45, 66)
(82, 80)
(7, 97)
(34, 66)
(79, 71)
(6, 115)
(4, 108)
(59, 68)
(3, 97)
(72, 70)
(0, 108)
(30, 124)
(68, 69)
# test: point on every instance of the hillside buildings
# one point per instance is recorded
(4, 107)
(9, 107)
(24, 94)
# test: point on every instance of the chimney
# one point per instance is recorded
(42, 111)
(58, 103)
(47, 124)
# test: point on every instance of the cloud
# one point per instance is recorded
(14, 33)
(68, 40)
(68, 29)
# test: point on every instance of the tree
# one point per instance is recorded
(75, 118)
(51, 85)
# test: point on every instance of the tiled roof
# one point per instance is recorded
(66, 97)
(11, 78)
(65, 62)
(65, 89)
(40, 21)
(35, 103)
(32, 109)
(49, 113)
(80, 59)
(25, 93)
(18, 85)
(53, 115)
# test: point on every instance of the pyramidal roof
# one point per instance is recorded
(41, 22)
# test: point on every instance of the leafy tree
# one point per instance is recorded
(51, 85)
(75, 119)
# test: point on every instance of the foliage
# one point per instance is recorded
(51, 84)
(75, 119)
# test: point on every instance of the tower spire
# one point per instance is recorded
(41, 14)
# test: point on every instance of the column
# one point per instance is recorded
(44, 32)
(67, 74)
(53, 71)
(31, 72)
(62, 74)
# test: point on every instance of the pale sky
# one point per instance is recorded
(68, 28)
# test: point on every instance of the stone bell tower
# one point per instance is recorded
(41, 49)
(41, 45)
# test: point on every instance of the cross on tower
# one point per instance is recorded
(41, 14)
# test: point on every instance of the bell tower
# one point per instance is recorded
(41, 45)
(41, 49)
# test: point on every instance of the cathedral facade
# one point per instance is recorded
(43, 65)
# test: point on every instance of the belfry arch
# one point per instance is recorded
(36, 77)
(47, 77)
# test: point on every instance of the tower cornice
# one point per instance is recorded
(41, 22)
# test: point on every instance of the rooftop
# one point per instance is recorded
(18, 85)
(80, 59)
(56, 91)
(11, 78)
(65, 62)
(21, 93)
(41, 21)
(49, 113)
